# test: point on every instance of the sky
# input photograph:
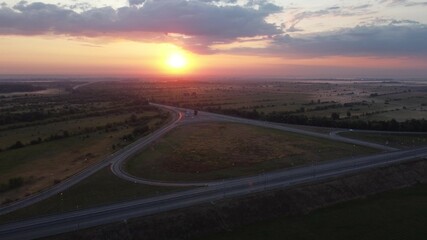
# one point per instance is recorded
(233, 38)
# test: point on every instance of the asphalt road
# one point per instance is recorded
(117, 156)
(213, 191)
(296, 130)
(117, 167)
(72, 221)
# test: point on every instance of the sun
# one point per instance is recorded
(176, 61)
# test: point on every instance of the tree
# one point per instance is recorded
(335, 116)
(18, 144)
(133, 118)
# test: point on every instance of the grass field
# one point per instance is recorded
(381, 100)
(395, 215)
(47, 163)
(211, 151)
(26, 134)
(99, 189)
(43, 164)
(394, 140)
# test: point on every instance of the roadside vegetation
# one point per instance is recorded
(213, 151)
(44, 139)
(395, 215)
(102, 188)
(394, 140)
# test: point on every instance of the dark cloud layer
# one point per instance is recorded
(406, 3)
(199, 24)
(399, 38)
(136, 2)
(204, 22)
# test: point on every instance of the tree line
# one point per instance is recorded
(334, 121)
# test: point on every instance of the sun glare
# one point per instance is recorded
(177, 61)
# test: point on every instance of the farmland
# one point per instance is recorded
(348, 101)
(49, 131)
(46, 138)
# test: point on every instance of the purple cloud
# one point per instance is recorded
(204, 23)
(398, 38)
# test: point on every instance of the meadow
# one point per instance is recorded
(397, 140)
(46, 138)
(213, 151)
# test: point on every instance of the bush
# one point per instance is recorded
(18, 144)
(13, 183)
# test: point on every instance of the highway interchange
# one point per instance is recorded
(210, 191)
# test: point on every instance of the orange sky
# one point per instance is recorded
(268, 38)
(53, 55)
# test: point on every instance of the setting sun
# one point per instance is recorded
(176, 61)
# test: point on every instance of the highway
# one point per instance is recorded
(117, 167)
(117, 156)
(72, 221)
(211, 191)
(288, 128)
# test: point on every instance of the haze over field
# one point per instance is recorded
(368, 38)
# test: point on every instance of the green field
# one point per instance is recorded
(41, 165)
(212, 151)
(368, 100)
(46, 138)
(99, 189)
(47, 162)
(393, 140)
(26, 134)
(396, 215)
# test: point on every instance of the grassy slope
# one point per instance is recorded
(99, 189)
(222, 150)
(394, 140)
(399, 214)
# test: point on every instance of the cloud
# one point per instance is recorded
(398, 38)
(220, 1)
(342, 11)
(203, 23)
(405, 3)
(136, 2)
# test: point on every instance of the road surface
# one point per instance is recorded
(72, 221)
(71, 181)
(116, 160)
(212, 191)
(118, 168)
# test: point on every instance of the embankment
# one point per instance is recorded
(227, 214)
